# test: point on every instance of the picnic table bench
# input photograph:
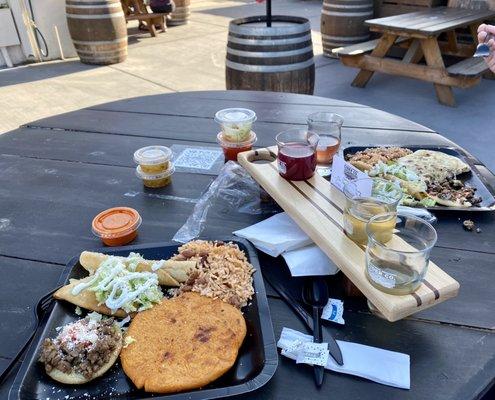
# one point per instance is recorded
(427, 34)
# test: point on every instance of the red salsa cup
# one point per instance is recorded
(232, 149)
(117, 226)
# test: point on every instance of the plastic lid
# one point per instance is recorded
(153, 177)
(152, 155)
(116, 222)
(235, 115)
(225, 143)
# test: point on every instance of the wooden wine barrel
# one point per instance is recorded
(278, 59)
(181, 14)
(342, 23)
(98, 30)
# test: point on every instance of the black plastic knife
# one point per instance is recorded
(305, 317)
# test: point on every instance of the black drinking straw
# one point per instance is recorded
(268, 13)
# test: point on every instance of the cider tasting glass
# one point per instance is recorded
(328, 127)
(296, 154)
(361, 207)
(399, 264)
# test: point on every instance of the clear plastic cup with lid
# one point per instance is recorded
(117, 226)
(232, 149)
(156, 180)
(153, 159)
(236, 123)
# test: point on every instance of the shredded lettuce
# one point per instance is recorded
(394, 169)
(411, 183)
(117, 285)
(409, 200)
(387, 191)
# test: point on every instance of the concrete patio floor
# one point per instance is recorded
(191, 57)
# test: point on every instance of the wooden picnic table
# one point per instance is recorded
(59, 172)
(429, 34)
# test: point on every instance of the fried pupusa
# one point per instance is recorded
(182, 343)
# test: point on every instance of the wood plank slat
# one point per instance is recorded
(198, 99)
(204, 128)
(405, 21)
(468, 67)
(436, 75)
(442, 18)
(111, 149)
(85, 147)
(361, 48)
(266, 111)
(472, 18)
(430, 23)
(315, 200)
(385, 21)
(23, 283)
(355, 49)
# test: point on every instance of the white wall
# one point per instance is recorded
(47, 13)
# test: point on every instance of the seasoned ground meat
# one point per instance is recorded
(454, 190)
(82, 347)
(368, 158)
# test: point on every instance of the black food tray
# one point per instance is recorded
(254, 367)
(474, 178)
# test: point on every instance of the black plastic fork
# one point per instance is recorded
(41, 308)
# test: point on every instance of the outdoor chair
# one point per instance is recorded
(137, 10)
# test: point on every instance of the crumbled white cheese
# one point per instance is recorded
(82, 331)
(78, 310)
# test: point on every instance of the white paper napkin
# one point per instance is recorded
(275, 235)
(309, 260)
(278, 235)
(379, 365)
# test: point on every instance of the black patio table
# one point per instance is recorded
(56, 174)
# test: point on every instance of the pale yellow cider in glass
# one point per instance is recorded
(359, 211)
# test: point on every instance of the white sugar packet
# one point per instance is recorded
(379, 365)
(313, 354)
(334, 311)
(275, 235)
